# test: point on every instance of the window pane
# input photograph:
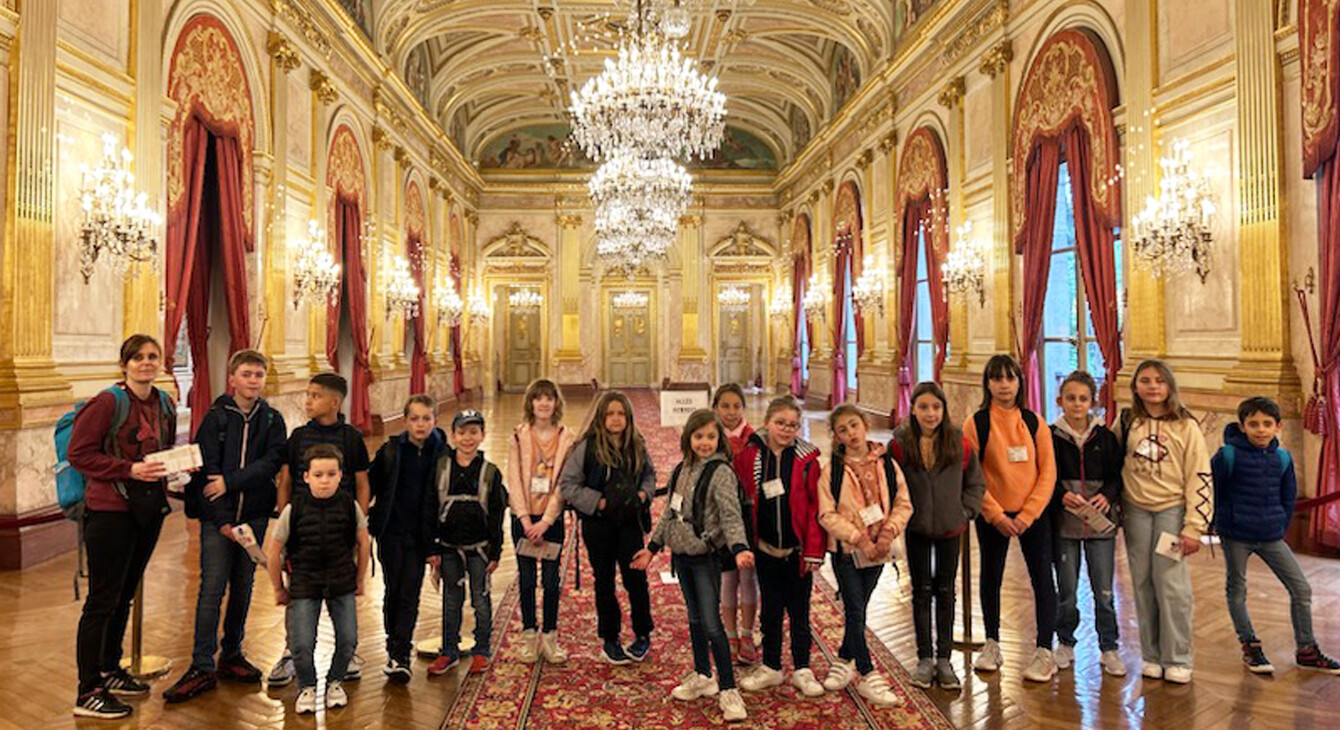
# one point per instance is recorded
(925, 361)
(1063, 228)
(921, 255)
(849, 326)
(1058, 312)
(1059, 360)
(924, 327)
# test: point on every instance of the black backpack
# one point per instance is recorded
(700, 491)
(982, 420)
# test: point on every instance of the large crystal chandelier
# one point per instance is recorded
(1173, 233)
(780, 306)
(117, 222)
(402, 294)
(868, 290)
(316, 275)
(448, 303)
(525, 300)
(964, 267)
(638, 205)
(733, 299)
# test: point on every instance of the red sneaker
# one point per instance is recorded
(479, 664)
(442, 665)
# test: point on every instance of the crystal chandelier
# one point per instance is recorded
(117, 221)
(733, 299)
(675, 20)
(316, 275)
(868, 290)
(964, 267)
(638, 205)
(1173, 234)
(780, 306)
(448, 303)
(402, 294)
(525, 300)
(477, 309)
(630, 301)
(815, 302)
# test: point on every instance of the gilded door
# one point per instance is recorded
(734, 346)
(628, 346)
(522, 353)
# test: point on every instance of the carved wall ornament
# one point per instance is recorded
(515, 249)
(414, 217)
(743, 242)
(568, 221)
(380, 139)
(284, 54)
(996, 59)
(344, 170)
(974, 32)
(301, 18)
(400, 155)
(866, 157)
(800, 238)
(321, 85)
(922, 174)
(952, 94)
(1319, 48)
(888, 142)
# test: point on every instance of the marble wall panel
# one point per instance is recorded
(1193, 34)
(299, 122)
(100, 28)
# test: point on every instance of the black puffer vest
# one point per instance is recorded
(322, 538)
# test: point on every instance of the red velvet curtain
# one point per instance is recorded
(799, 276)
(1327, 526)
(840, 296)
(354, 291)
(1044, 168)
(418, 369)
(913, 215)
(209, 219)
(458, 376)
(1097, 264)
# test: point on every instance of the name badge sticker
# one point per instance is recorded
(872, 514)
(676, 502)
(772, 489)
(1017, 454)
(539, 485)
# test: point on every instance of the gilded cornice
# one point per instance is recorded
(284, 54)
(994, 17)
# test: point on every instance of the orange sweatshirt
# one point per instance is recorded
(1021, 486)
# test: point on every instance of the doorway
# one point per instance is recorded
(628, 339)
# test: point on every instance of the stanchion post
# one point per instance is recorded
(577, 559)
(965, 640)
(139, 664)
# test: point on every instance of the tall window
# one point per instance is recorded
(1066, 346)
(849, 326)
(924, 331)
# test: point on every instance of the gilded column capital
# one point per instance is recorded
(323, 88)
(828, 186)
(434, 184)
(996, 59)
(401, 155)
(471, 217)
(691, 221)
(888, 142)
(952, 94)
(567, 220)
(380, 139)
(814, 196)
(284, 54)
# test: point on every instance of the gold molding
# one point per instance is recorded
(952, 94)
(282, 51)
(321, 85)
(996, 59)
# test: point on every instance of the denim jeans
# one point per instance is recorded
(1162, 587)
(303, 616)
(1101, 556)
(118, 552)
(784, 593)
(1280, 559)
(527, 569)
(224, 566)
(456, 570)
(856, 586)
(700, 581)
(933, 582)
(1036, 544)
(403, 561)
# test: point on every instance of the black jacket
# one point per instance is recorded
(322, 538)
(248, 450)
(384, 478)
(1087, 464)
(467, 523)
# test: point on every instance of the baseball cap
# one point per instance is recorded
(466, 418)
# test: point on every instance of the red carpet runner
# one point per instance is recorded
(586, 692)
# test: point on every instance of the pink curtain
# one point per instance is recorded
(840, 296)
(354, 292)
(418, 369)
(209, 219)
(913, 215)
(799, 275)
(458, 376)
(1044, 168)
(1327, 524)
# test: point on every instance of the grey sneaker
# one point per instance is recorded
(283, 672)
(924, 673)
(944, 674)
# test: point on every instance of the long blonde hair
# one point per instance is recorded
(632, 451)
(1176, 411)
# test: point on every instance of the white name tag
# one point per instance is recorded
(1017, 454)
(872, 514)
(676, 502)
(772, 489)
(539, 485)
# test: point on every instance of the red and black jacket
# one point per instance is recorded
(802, 491)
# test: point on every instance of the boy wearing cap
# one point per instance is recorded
(465, 515)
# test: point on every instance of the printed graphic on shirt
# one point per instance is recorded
(1150, 453)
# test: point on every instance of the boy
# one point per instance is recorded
(400, 475)
(241, 441)
(464, 516)
(320, 531)
(1254, 492)
(325, 394)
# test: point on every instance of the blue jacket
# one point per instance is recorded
(1255, 501)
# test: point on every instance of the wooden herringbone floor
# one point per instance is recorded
(38, 617)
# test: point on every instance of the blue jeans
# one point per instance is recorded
(303, 615)
(1279, 557)
(224, 566)
(856, 585)
(549, 574)
(454, 575)
(1101, 556)
(700, 581)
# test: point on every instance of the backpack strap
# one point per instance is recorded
(837, 472)
(982, 421)
(1286, 460)
(1124, 420)
(890, 477)
(700, 495)
(1030, 420)
(485, 481)
(1230, 456)
(120, 413)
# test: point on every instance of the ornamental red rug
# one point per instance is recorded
(587, 692)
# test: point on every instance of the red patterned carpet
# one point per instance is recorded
(586, 692)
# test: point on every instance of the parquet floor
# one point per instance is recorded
(38, 616)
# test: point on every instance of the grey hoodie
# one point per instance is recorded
(944, 499)
(723, 525)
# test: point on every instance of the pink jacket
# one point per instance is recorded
(520, 456)
(842, 518)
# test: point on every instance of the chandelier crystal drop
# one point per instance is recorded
(868, 290)
(525, 300)
(733, 299)
(964, 267)
(815, 301)
(630, 301)
(1174, 232)
(116, 222)
(781, 302)
(449, 305)
(316, 275)
(402, 294)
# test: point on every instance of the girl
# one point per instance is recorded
(1020, 476)
(739, 588)
(1088, 471)
(863, 505)
(535, 455)
(125, 500)
(702, 519)
(780, 475)
(608, 479)
(1167, 491)
(945, 482)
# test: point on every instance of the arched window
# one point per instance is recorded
(923, 365)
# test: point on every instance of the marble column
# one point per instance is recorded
(996, 65)
(1145, 329)
(951, 98)
(568, 358)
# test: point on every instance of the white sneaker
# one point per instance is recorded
(336, 696)
(763, 678)
(550, 650)
(1112, 663)
(1151, 670)
(354, 671)
(694, 686)
(529, 651)
(803, 680)
(1042, 668)
(306, 703)
(989, 659)
(1064, 656)
(840, 675)
(732, 706)
(874, 687)
(283, 671)
(1177, 675)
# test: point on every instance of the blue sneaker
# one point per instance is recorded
(614, 654)
(639, 649)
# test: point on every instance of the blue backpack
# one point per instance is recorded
(69, 482)
(1229, 457)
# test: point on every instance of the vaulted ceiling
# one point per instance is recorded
(490, 66)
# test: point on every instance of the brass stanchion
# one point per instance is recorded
(964, 639)
(141, 665)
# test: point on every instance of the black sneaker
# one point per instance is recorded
(1311, 658)
(1255, 659)
(398, 671)
(238, 669)
(121, 683)
(102, 704)
(193, 683)
(355, 670)
(614, 654)
(637, 651)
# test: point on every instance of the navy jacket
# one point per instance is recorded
(248, 450)
(1255, 502)
(384, 477)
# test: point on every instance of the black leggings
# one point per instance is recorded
(610, 543)
(933, 581)
(1036, 543)
(118, 552)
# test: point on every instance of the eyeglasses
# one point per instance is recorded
(786, 425)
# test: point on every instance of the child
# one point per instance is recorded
(946, 486)
(535, 455)
(780, 475)
(324, 534)
(241, 441)
(739, 587)
(608, 479)
(325, 393)
(464, 515)
(863, 504)
(401, 474)
(1088, 472)
(1020, 476)
(1254, 492)
(702, 520)
(1166, 483)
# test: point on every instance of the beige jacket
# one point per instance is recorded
(520, 457)
(1168, 465)
(842, 520)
